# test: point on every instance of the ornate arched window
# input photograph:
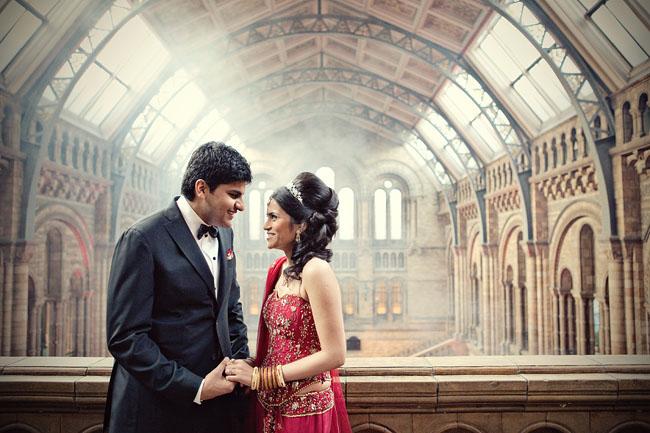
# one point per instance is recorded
(396, 298)
(253, 297)
(628, 129)
(521, 282)
(258, 197)
(54, 250)
(591, 329)
(388, 212)
(346, 214)
(567, 317)
(349, 298)
(644, 114)
(510, 305)
(326, 174)
(381, 299)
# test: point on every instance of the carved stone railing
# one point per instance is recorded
(497, 394)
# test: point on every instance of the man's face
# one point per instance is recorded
(219, 206)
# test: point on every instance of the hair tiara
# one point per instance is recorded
(293, 189)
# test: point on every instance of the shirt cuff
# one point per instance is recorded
(197, 398)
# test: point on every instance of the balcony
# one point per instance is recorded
(491, 394)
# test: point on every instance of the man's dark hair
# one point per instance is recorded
(216, 163)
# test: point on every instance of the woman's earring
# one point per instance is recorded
(297, 236)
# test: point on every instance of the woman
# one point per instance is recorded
(301, 340)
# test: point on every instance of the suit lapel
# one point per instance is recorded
(223, 266)
(179, 231)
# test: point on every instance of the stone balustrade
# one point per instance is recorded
(491, 394)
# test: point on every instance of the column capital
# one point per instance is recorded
(615, 252)
(459, 250)
(490, 249)
(530, 248)
(18, 251)
(541, 248)
(24, 250)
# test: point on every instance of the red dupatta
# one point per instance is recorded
(263, 348)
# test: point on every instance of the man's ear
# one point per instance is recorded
(201, 188)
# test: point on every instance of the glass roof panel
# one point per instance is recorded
(439, 143)
(184, 105)
(17, 26)
(131, 59)
(134, 54)
(623, 27)
(619, 32)
(516, 68)
(44, 7)
(514, 43)
(159, 131)
(89, 85)
(106, 102)
(181, 108)
(542, 73)
(533, 98)
(495, 53)
(464, 112)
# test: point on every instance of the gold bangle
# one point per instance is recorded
(269, 378)
(274, 378)
(265, 378)
(279, 374)
(255, 379)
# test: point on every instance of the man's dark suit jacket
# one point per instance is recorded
(167, 330)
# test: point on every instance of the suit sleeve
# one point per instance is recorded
(236, 325)
(129, 317)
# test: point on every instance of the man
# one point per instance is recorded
(174, 318)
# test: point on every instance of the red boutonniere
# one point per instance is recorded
(229, 254)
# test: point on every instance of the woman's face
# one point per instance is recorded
(280, 231)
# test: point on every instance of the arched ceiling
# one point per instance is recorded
(457, 83)
(251, 81)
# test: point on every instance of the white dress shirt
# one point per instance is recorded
(209, 247)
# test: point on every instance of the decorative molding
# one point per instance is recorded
(139, 203)
(505, 200)
(581, 180)
(68, 185)
(639, 159)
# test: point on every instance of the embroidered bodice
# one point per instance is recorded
(292, 336)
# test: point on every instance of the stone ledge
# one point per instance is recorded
(405, 385)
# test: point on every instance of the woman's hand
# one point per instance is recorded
(239, 370)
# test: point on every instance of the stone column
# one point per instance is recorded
(563, 322)
(606, 333)
(628, 290)
(616, 300)
(508, 315)
(464, 288)
(639, 298)
(20, 294)
(484, 302)
(457, 289)
(496, 302)
(539, 288)
(591, 334)
(555, 308)
(580, 321)
(531, 292)
(571, 324)
(519, 320)
(7, 306)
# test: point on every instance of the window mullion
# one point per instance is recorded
(592, 10)
(32, 10)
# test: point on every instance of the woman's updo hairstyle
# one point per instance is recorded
(308, 200)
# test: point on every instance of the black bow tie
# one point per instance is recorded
(203, 230)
